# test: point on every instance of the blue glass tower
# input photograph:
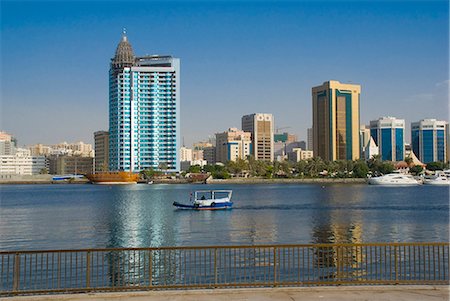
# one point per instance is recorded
(388, 134)
(428, 140)
(144, 111)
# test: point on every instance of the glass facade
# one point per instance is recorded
(440, 145)
(427, 146)
(323, 124)
(415, 143)
(341, 128)
(374, 135)
(386, 144)
(399, 145)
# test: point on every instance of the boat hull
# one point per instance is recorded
(216, 206)
(437, 183)
(113, 178)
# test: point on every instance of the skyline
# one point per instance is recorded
(62, 56)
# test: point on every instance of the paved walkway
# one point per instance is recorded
(343, 293)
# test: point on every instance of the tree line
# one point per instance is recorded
(312, 168)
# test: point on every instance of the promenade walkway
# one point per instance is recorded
(342, 293)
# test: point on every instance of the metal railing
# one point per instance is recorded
(26, 272)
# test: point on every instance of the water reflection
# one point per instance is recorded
(89, 216)
(334, 225)
(139, 218)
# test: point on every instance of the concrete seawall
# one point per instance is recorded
(47, 179)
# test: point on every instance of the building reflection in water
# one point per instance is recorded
(139, 219)
(334, 224)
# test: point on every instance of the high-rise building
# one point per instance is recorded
(101, 147)
(261, 127)
(144, 111)
(429, 140)
(232, 145)
(309, 137)
(336, 121)
(389, 134)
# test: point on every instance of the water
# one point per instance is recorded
(34, 217)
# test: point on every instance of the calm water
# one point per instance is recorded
(90, 216)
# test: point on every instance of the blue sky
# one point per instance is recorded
(236, 58)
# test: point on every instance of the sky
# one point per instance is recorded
(237, 58)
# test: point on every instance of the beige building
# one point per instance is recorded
(261, 127)
(299, 154)
(22, 163)
(7, 144)
(63, 165)
(101, 147)
(336, 121)
(198, 150)
(185, 154)
(232, 145)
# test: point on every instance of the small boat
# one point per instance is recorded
(394, 179)
(208, 200)
(439, 178)
(67, 177)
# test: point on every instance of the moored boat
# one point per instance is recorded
(208, 200)
(113, 177)
(394, 179)
(439, 178)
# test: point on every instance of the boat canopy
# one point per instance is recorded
(212, 194)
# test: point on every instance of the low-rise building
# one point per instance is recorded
(298, 154)
(209, 154)
(62, 165)
(185, 154)
(22, 163)
(232, 145)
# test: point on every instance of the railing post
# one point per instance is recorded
(396, 264)
(88, 269)
(274, 266)
(338, 264)
(16, 276)
(215, 267)
(150, 268)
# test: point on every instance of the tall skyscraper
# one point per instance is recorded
(429, 140)
(336, 121)
(389, 134)
(101, 150)
(261, 126)
(144, 111)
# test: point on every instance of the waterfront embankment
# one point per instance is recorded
(288, 181)
(334, 293)
(47, 179)
(37, 179)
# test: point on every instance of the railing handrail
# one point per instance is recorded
(82, 270)
(319, 245)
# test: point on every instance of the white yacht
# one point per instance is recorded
(394, 179)
(439, 178)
